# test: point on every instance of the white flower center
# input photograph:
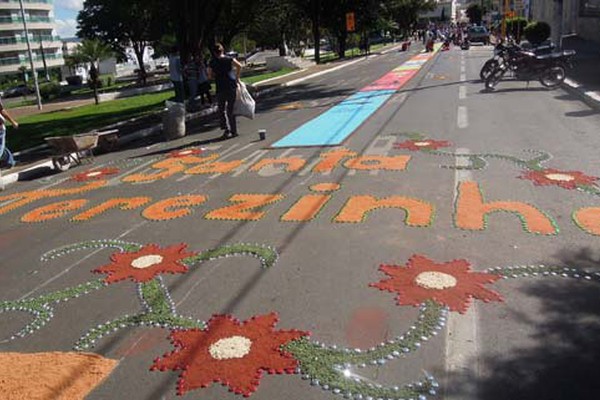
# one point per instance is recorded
(95, 173)
(231, 347)
(185, 152)
(560, 177)
(146, 261)
(422, 144)
(435, 280)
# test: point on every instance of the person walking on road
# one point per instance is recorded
(221, 69)
(6, 156)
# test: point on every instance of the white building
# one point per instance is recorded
(39, 15)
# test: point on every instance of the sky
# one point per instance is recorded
(65, 14)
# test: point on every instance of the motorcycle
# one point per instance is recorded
(549, 69)
(502, 52)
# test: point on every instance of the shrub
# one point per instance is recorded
(50, 90)
(537, 32)
(515, 27)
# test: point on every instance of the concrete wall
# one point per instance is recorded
(564, 17)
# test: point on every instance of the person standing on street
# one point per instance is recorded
(221, 69)
(190, 71)
(203, 82)
(176, 74)
(5, 154)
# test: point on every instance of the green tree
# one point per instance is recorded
(475, 14)
(405, 13)
(122, 23)
(537, 32)
(91, 52)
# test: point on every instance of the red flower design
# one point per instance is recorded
(451, 284)
(145, 264)
(185, 153)
(230, 352)
(94, 174)
(424, 144)
(564, 179)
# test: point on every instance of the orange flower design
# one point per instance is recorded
(146, 263)
(185, 153)
(231, 352)
(94, 174)
(425, 144)
(451, 284)
(564, 179)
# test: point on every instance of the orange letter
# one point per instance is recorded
(240, 212)
(332, 159)
(374, 163)
(171, 166)
(53, 211)
(292, 163)
(217, 167)
(588, 219)
(24, 198)
(175, 207)
(310, 205)
(418, 213)
(121, 204)
(471, 211)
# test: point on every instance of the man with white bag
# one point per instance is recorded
(221, 70)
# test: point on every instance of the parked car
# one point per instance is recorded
(20, 90)
(478, 34)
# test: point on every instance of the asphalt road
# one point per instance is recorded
(540, 342)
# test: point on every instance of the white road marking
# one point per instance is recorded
(249, 161)
(271, 170)
(463, 69)
(463, 77)
(230, 154)
(309, 167)
(462, 92)
(462, 340)
(462, 118)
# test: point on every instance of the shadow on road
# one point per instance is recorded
(563, 363)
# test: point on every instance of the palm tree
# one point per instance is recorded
(92, 52)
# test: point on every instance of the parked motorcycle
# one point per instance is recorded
(502, 51)
(549, 69)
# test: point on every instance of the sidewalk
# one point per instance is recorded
(260, 89)
(584, 78)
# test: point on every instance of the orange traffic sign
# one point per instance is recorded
(350, 23)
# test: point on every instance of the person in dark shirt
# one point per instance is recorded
(5, 154)
(221, 69)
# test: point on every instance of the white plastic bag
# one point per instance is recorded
(244, 103)
(174, 120)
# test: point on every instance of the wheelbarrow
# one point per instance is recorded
(69, 150)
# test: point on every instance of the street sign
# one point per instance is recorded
(350, 23)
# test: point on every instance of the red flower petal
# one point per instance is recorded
(145, 264)
(565, 179)
(451, 284)
(242, 371)
(425, 144)
(94, 174)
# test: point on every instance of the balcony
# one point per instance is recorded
(10, 44)
(10, 23)
(12, 64)
(27, 4)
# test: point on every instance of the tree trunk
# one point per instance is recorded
(94, 79)
(138, 49)
(282, 44)
(342, 44)
(316, 31)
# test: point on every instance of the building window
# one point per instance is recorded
(589, 8)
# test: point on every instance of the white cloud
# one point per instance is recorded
(74, 5)
(66, 28)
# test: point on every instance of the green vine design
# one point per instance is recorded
(158, 307)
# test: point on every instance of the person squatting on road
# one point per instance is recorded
(221, 70)
(6, 157)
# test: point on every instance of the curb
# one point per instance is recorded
(589, 97)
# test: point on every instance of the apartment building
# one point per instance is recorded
(42, 36)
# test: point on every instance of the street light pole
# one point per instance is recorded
(35, 79)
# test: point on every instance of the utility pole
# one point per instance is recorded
(504, 14)
(35, 79)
